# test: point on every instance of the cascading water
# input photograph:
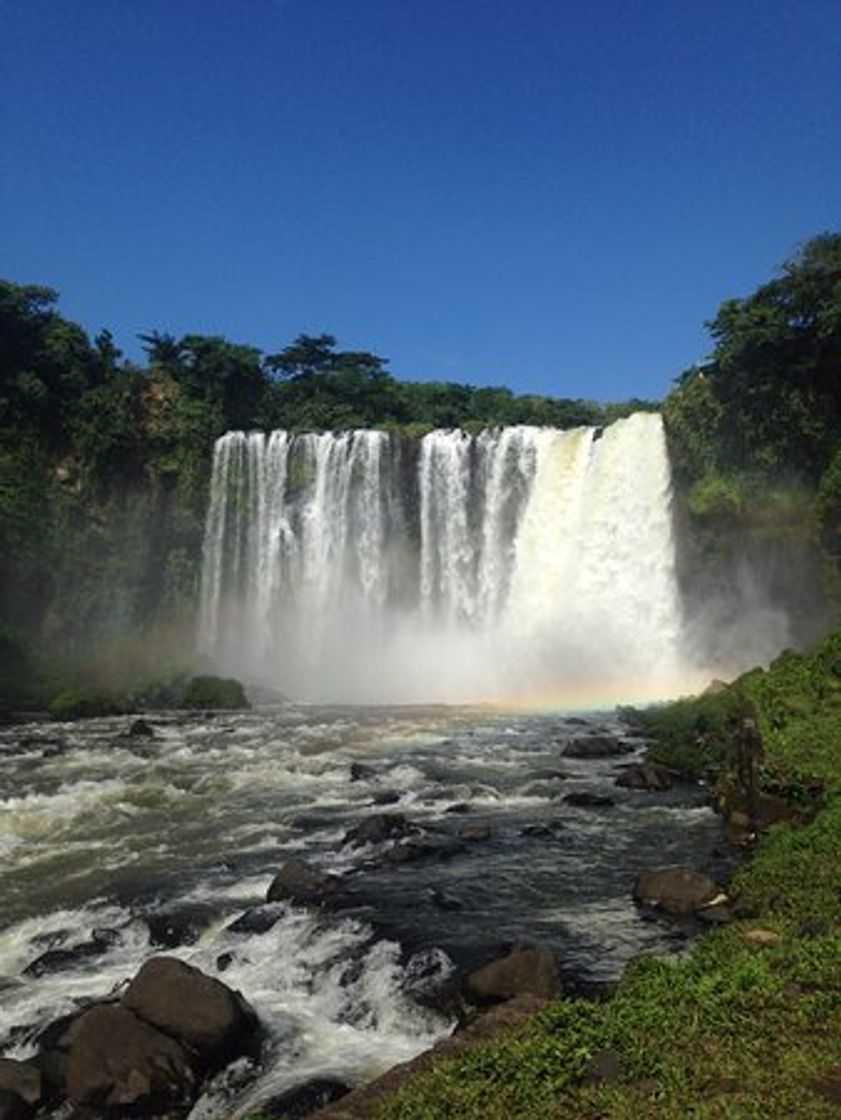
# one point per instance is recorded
(360, 566)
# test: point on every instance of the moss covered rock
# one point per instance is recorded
(215, 692)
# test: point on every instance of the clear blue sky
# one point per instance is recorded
(548, 194)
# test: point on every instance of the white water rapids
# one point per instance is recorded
(522, 563)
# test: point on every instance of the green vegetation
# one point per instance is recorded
(759, 424)
(747, 1026)
(105, 466)
(214, 692)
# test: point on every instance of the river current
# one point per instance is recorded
(113, 848)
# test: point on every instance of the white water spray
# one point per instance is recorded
(520, 561)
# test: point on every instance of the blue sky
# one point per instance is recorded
(548, 194)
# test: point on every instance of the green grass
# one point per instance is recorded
(732, 1031)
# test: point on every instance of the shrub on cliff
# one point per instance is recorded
(214, 692)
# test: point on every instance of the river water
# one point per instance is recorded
(112, 843)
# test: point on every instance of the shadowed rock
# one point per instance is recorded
(377, 828)
(298, 882)
(524, 970)
(117, 1061)
(596, 746)
(645, 775)
(198, 1010)
(677, 890)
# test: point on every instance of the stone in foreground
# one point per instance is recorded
(677, 890)
(198, 1010)
(525, 970)
(116, 1061)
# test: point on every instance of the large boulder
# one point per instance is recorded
(584, 800)
(303, 1100)
(677, 890)
(596, 746)
(195, 1009)
(523, 970)
(378, 828)
(645, 775)
(116, 1061)
(298, 882)
(13, 1107)
(22, 1078)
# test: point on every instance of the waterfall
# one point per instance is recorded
(519, 561)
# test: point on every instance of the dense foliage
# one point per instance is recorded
(760, 421)
(104, 470)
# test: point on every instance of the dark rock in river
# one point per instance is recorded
(677, 890)
(22, 1078)
(424, 847)
(258, 919)
(298, 882)
(117, 1061)
(198, 1010)
(386, 797)
(184, 926)
(645, 775)
(303, 1100)
(524, 970)
(13, 1107)
(584, 800)
(59, 960)
(359, 772)
(545, 830)
(475, 832)
(377, 828)
(140, 729)
(596, 746)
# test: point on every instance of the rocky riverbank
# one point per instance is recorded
(331, 941)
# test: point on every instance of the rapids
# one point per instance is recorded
(104, 836)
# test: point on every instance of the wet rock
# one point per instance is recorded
(596, 746)
(359, 772)
(298, 882)
(551, 775)
(60, 960)
(584, 800)
(198, 1010)
(224, 961)
(170, 928)
(677, 890)
(475, 832)
(458, 807)
(117, 1061)
(140, 729)
(443, 901)
(13, 1107)
(645, 775)
(258, 919)
(303, 1100)
(424, 847)
(23, 1079)
(545, 830)
(386, 797)
(377, 828)
(718, 913)
(524, 970)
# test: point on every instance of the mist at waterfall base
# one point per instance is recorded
(522, 565)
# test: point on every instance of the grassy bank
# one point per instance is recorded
(749, 1024)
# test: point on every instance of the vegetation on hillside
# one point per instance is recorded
(755, 431)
